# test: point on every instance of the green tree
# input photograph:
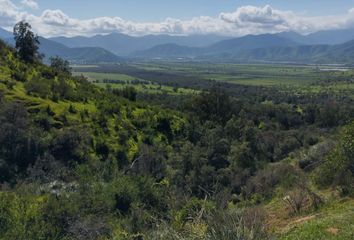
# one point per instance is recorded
(27, 43)
(213, 105)
(60, 65)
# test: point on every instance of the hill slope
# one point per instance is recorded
(82, 162)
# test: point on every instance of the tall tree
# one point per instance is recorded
(27, 43)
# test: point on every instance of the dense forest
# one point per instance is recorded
(229, 162)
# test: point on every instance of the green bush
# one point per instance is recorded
(39, 87)
(338, 167)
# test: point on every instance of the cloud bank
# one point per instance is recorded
(244, 20)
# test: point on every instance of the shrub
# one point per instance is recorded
(10, 84)
(237, 225)
(1, 96)
(338, 167)
(39, 87)
(20, 76)
(71, 146)
(315, 155)
(265, 181)
(302, 198)
(24, 217)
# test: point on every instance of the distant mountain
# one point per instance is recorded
(5, 34)
(236, 45)
(340, 53)
(271, 48)
(168, 50)
(331, 36)
(324, 46)
(76, 55)
(296, 37)
(122, 44)
(228, 47)
(304, 53)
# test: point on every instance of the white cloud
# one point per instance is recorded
(55, 17)
(255, 15)
(8, 13)
(244, 20)
(30, 3)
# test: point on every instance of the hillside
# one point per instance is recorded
(82, 162)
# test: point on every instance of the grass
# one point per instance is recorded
(125, 80)
(151, 88)
(18, 93)
(335, 221)
(93, 76)
(251, 74)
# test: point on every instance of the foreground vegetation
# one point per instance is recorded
(223, 161)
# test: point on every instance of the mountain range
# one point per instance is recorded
(82, 55)
(124, 45)
(334, 46)
(5, 34)
(229, 46)
(321, 53)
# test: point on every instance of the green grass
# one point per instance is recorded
(250, 74)
(93, 76)
(98, 78)
(18, 93)
(334, 222)
(150, 88)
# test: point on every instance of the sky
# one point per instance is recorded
(177, 17)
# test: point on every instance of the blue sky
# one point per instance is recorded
(157, 10)
(177, 17)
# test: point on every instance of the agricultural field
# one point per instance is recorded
(119, 81)
(167, 77)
